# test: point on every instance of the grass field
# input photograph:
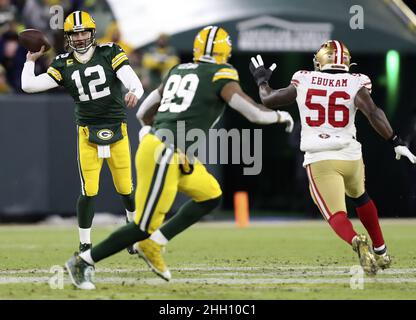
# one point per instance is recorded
(276, 260)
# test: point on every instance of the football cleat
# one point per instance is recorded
(365, 254)
(383, 260)
(80, 272)
(151, 252)
(84, 247)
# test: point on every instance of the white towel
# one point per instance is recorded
(103, 151)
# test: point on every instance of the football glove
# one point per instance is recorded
(259, 72)
(285, 117)
(401, 149)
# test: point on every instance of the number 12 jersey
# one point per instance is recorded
(93, 85)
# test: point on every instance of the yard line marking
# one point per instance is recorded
(302, 273)
(156, 281)
(306, 270)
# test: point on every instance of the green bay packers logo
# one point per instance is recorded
(105, 134)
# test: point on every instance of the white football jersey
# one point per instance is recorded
(327, 113)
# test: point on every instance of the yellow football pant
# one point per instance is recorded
(90, 165)
(331, 180)
(159, 178)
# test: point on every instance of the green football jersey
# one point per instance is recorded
(94, 86)
(192, 94)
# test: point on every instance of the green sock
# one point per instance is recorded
(188, 214)
(85, 211)
(117, 241)
(128, 201)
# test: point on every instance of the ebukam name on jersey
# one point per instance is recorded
(330, 82)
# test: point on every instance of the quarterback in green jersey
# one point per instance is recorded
(195, 93)
(93, 75)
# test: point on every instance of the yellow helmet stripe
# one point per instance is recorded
(210, 40)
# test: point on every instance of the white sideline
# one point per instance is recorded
(289, 270)
(156, 281)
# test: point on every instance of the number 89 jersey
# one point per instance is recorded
(327, 111)
(94, 86)
(192, 94)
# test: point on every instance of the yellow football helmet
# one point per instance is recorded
(332, 55)
(212, 44)
(79, 21)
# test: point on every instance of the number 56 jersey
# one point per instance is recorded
(327, 113)
(93, 85)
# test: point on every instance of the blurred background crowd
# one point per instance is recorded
(17, 15)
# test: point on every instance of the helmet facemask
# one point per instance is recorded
(80, 46)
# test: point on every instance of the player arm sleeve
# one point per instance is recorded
(254, 113)
(147, 108)
(227, 80)
(130, 80)
(32, 83)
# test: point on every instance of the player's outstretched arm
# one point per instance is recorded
(379, 122)
(32, 83)
(132, 82)
(277, 98)
(269, 97)
(241, 102)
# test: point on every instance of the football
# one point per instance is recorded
(33, 40)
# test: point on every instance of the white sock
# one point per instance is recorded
(381, 248)
(136, 246)
(159, 238)
(130, 215)
(84, 235)
(86, 256)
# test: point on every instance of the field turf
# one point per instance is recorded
(268, 260)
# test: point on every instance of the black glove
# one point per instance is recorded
(259, 72)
